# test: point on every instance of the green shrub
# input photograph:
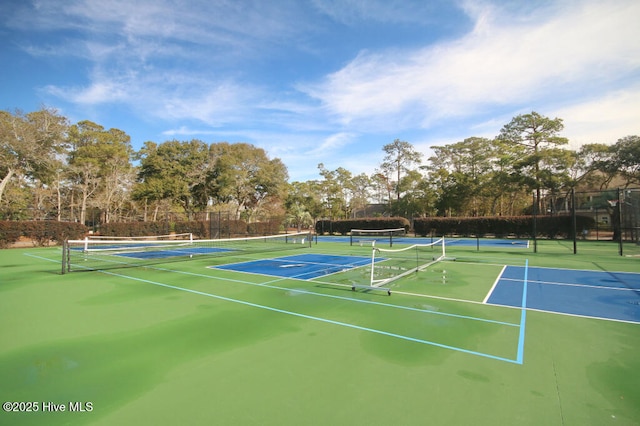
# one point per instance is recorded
(502, 226)
(9, 233)
(40, 232)
(199, 229)
(135, 229)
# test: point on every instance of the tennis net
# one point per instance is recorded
(388, 265)
(375, 236)
(89, 254)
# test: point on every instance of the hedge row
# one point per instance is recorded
(199, 229)
(43, 232)
(40, 232)
(518, 226)
(134, 229)
(344, 226)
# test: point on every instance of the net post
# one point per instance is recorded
(444, 254)
(65, 245)
(574, 221)
(86, 244)
(373, 260)
(620, 249)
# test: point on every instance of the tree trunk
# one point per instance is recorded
(5, 180)
(59, 200)
(83, 205)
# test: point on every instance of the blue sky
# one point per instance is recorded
(325, 81)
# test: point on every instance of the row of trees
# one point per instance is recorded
(477, 176)
(52, 169)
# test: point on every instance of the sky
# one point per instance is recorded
(325, 81)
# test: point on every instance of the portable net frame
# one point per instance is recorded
(375, 236)
(90, 254)
(388, 265)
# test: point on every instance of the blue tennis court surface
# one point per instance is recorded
(147, 252)
(302, 266)
(606, 295)
(160, 254)
(498, 242)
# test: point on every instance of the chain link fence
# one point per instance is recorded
(615, 223)
(203, 225)
(616, 215)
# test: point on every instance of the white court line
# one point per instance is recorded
(602, 287)
(315, 318)
(495, 283)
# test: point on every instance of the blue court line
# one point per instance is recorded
(268, 285)
(563, 284)
(331, 296)
(523, 316)
(314, 318)
(326, 320)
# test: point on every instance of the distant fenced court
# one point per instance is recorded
(492, 333)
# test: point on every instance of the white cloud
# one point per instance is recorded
(168, 60)
(186, 131)
(332, 144)
(504, 61)
(604, 119)
(176, 65)
(172, 96)
(393, 11)
(101, 91)
(207, 23)
(213, 103)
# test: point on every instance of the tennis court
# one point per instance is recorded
(304, 266)
(233, 336)
(595, 294)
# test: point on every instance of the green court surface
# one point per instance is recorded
(185, 343)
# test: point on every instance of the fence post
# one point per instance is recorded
(535, 231)
(573, 220)
(619, 206)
